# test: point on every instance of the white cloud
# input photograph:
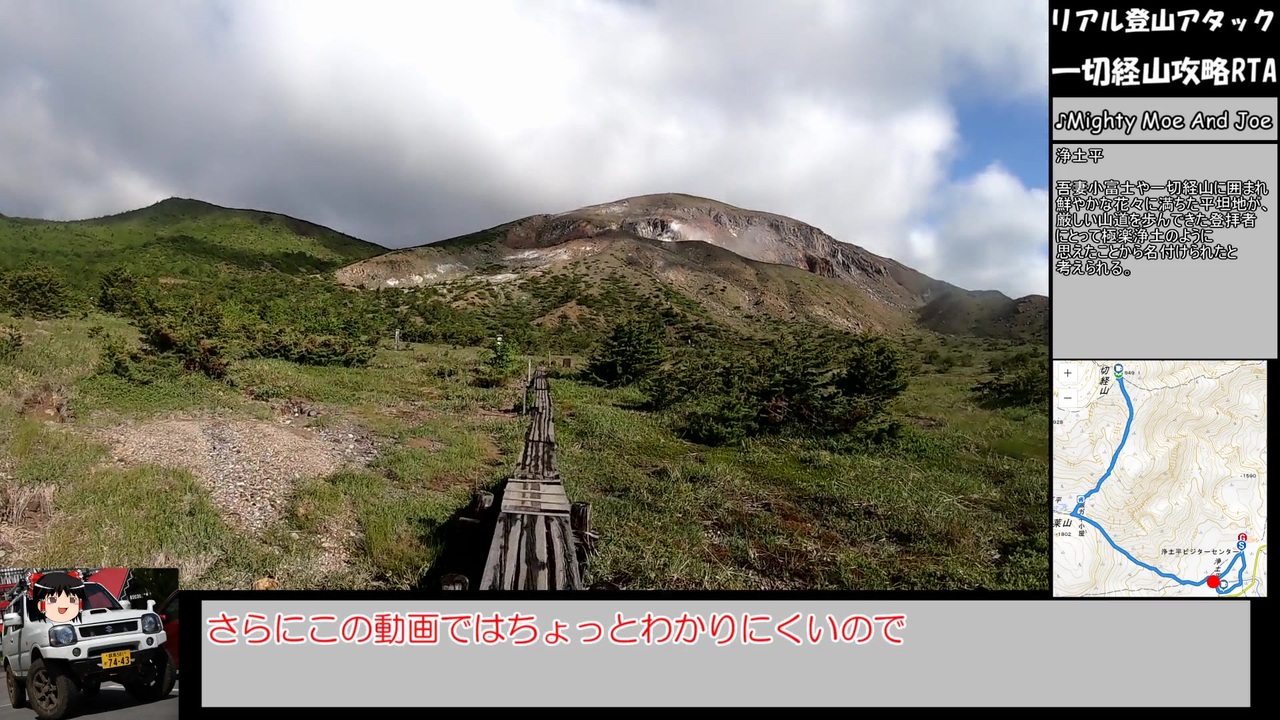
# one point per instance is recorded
(70, 176)
(991, 234)
(410, 122)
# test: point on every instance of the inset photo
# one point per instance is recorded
(84, 641)
(1159, 478)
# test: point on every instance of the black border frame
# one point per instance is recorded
(192, 634)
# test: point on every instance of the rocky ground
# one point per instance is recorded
(250, 467)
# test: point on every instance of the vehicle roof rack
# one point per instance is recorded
(14, 576)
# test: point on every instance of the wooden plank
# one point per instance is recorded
(559, 505)
(572, 579)
(534, 504)
(530, 499)
(543, 478)
(547, 489)
(533, 527)
(575, 572)
(542, 488)
(531, 511)
(533, 482)
(511, 561)
(559, 579)
(493, 565)
(550, 501)
(542, 559)
(529, 573)
(582, 517)
(536, 509)
(515, 524)
(550, 494)
(522, 557)
(481, 501)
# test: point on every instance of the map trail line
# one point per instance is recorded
(1078, 513)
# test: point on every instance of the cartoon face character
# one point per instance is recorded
(60, 596)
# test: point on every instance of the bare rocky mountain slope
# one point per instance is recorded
(734, 262)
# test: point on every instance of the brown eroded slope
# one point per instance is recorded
(730, 260)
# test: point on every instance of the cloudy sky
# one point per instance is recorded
(914, 129)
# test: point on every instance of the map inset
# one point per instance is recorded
(1160, 479)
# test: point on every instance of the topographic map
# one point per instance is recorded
(1160, 479)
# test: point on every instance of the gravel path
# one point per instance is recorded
(251, 468)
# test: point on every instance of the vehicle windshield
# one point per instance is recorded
(96, 597)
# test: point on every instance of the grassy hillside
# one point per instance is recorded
(176, 238)
(102, 469)
(987, 315)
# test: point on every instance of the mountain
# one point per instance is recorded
(715, 260)
(732, 262)
(181, 238)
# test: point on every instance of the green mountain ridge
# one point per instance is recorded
(182, 239)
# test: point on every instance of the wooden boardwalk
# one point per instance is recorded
(534, 546)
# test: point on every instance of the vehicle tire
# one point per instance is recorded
(52, 694)
(17, 689)
(156, 679)
(91, 688)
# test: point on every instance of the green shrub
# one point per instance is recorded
(631, 353)
(38, 292)
(11, 341)
(874, 371)
(332, 350)
(809, 387)
(120, 293)
(191, 335)
(135, 365)
(1019, 379)
(500, 361)
(203, 328)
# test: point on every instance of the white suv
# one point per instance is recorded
(49, 665)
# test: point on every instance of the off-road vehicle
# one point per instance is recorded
(49, 665)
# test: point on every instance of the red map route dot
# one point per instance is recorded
(1213, 582)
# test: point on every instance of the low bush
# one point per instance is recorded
(792, 386)
(38, 292)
